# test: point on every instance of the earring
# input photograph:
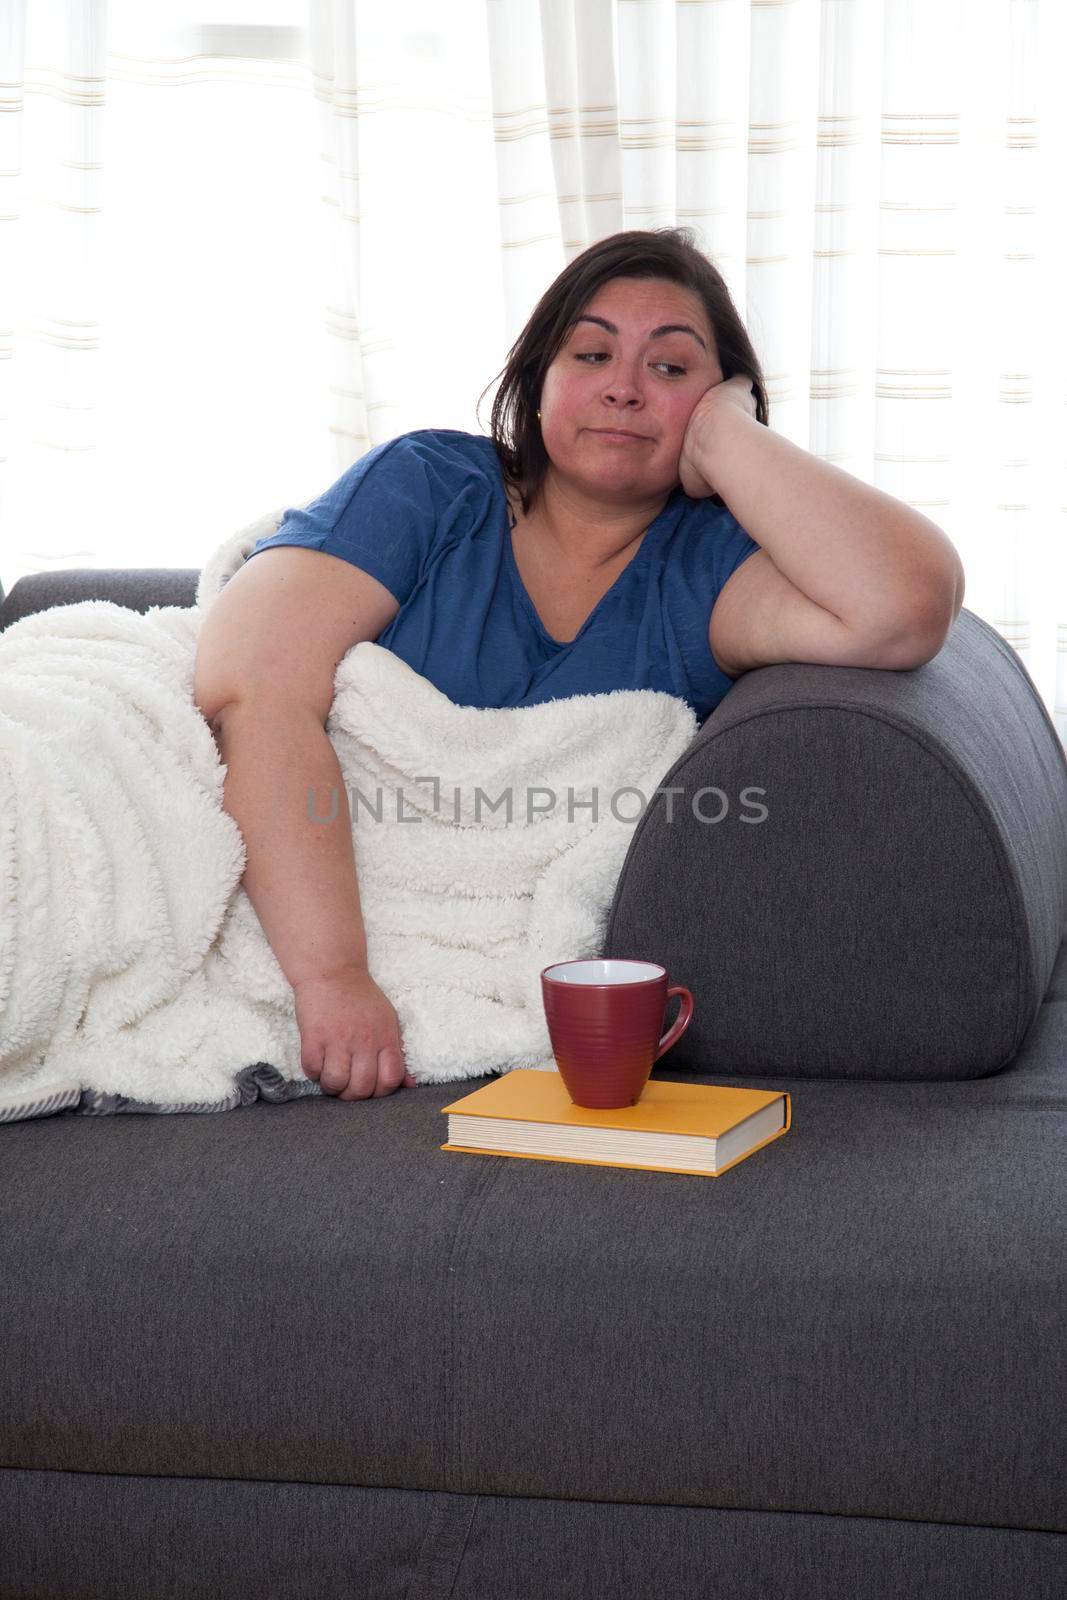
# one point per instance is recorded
(539, 416)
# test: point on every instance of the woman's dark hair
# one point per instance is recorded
(669, 253)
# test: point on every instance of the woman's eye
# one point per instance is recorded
(593, 355)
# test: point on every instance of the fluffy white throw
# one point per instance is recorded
(134, 973)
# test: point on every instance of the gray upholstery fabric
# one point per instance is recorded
(80, 1536)
(300, 1346)
(865, 1319)
(896, 912)
(138, 589)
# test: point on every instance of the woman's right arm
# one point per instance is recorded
(268, 650)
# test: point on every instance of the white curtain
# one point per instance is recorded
(242, 243)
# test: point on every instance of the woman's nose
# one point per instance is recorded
(624, 391)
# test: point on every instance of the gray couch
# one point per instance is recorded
(299, 1351)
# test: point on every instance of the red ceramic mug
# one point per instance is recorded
(605, 1021)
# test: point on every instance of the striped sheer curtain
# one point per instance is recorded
(242, 243)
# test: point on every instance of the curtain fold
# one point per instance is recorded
(51, 260)
(879, 182)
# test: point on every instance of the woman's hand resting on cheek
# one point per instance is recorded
(349, 1036)
(701, 428)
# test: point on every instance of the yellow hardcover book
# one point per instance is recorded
(697, 1128)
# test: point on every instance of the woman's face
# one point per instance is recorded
(623, 377)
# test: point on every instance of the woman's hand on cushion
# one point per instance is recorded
(349, 1036)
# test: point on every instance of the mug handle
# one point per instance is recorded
(681, 1021)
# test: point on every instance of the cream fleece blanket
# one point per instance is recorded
(134, 973)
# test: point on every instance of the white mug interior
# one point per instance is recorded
(605, 971)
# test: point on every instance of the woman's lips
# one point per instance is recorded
(620, 438)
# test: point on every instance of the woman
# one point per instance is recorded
(604, 537)
(609, 575)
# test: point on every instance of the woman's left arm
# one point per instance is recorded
(866, 557)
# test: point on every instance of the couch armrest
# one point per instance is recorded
(135, 587)
(896, 912)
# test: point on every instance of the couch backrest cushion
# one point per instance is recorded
(137, 588)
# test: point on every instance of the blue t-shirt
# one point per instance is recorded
(426, 514)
